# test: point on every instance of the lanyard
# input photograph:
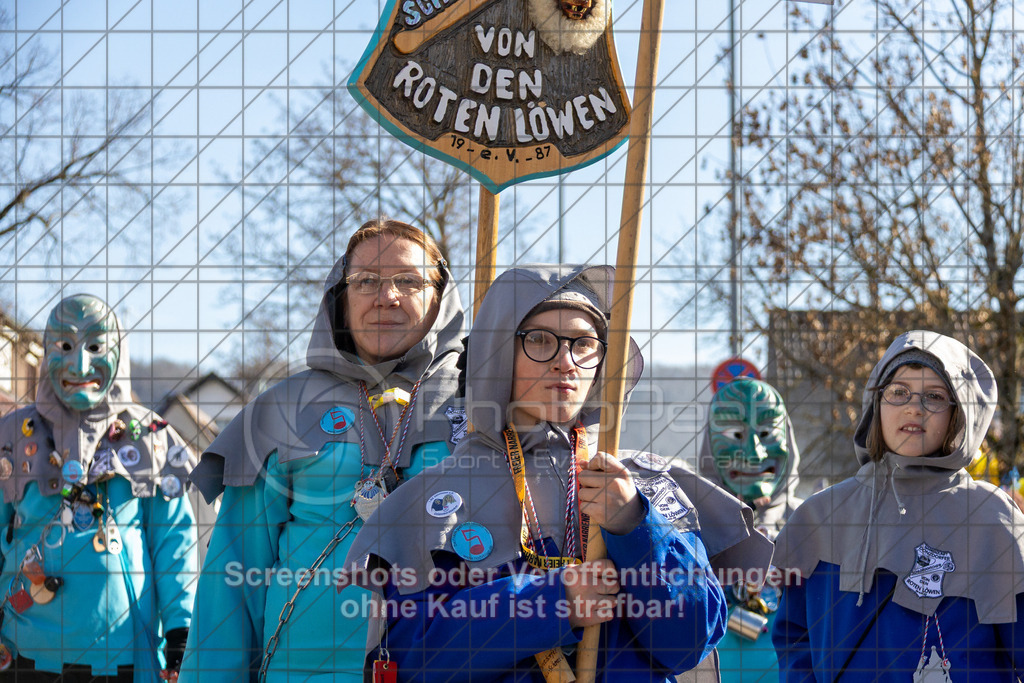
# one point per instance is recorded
(387, 459)
(517, 465)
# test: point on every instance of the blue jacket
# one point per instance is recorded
(266, 535)
(818, 628)
(431, 640)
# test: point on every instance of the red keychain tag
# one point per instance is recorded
(20, 600)
(385, 671)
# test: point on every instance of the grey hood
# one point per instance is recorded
(901, 513)
(287, 418)
(971, 380)
(79, 435)
(330, 350)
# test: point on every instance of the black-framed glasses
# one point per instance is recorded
(404, 283)
(542, 346)
(896, 394)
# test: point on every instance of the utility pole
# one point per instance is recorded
(735, 342)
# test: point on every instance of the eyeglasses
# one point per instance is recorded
(542, 346)
(896, 394)
(404, 283)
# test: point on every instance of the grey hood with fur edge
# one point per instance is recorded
(783, 501)
(881, 516)
(287, 417)
(404, 535)
(78, 435)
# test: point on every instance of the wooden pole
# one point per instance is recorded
(615, 367)
(486, 246)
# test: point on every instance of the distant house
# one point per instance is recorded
(21, 351)
(190, 421)
(199, 412)
(205, 407)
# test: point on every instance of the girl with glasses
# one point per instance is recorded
(478, 562)
(911, 569)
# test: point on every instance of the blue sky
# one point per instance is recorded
(214, 72)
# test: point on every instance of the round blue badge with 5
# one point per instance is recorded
(72, 471)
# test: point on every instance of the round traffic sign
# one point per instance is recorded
(731, 369)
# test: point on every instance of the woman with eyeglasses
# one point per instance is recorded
(478, 562)
(306, 462)
(910, 570)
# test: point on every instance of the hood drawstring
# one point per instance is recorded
(896, 494)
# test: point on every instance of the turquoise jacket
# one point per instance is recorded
(266, 535)
(745, 661)
(102, 616)
(90, 621)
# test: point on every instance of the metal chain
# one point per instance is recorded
(289, 607)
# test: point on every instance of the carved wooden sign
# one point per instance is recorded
(507, 90)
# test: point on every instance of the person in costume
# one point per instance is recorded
(749, 449)
(302, 465)
(910, 570)
(98, 541)
(477, 561)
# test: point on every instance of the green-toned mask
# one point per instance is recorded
(749, 438)
(83, 348)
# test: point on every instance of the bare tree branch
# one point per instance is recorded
(90, 146)
(896, 190)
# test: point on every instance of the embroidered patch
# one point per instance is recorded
(652, 462)
(443, 503)
(930, 567)
(662, 492)
(83, 516)
(337, 420)
(459, 421)
(472, 541)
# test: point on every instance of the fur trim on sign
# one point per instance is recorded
(563, 34)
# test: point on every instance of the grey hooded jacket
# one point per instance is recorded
(876, 519)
